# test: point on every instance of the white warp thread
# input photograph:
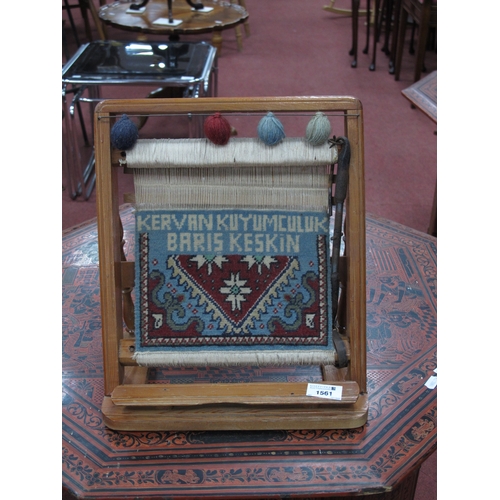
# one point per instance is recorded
(228, 358)
(204, 196)
(195, 173)
(182, 173)
(239, 152)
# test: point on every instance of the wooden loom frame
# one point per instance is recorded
(131, 404)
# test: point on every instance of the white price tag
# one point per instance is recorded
(325, 391)
(432, 382)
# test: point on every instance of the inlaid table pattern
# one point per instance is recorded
(380, 459)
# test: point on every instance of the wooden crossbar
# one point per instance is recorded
(259, 393)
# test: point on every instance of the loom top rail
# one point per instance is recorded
(347, 104)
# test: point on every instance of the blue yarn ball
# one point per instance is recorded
(270, 130)
(124, 133)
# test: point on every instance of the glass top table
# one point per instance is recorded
(111, 63)
(189, 67)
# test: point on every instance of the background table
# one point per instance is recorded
(181, 69)
(423, 95)
(223, 16)
(381, 459)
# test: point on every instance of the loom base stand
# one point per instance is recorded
(137, 405)
(234, 417)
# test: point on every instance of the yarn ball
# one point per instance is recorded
(124, 133)
(270, 130)
(318, 130)
(217, 129)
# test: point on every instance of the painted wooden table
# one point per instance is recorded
(381, 459)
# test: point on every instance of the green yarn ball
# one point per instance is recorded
(318, 129)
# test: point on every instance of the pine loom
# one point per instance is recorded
(130, 403)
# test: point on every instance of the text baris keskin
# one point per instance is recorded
(222, 232)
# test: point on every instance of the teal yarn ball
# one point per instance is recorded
(124, 133)
(318, 130)
(270, 130)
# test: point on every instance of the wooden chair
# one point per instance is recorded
(424, 14)
(130, 403)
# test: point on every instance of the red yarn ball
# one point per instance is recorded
(217, 129)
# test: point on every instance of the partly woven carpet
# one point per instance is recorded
(232, 287)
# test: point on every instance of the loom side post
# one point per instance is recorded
(110, 250)
(356, 250)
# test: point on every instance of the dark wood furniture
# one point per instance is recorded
(224, 15)
(373, 15)
(355, 24)
(85, 6)
(424, 14)
(340, 10)
(380, 460)
(423, 95)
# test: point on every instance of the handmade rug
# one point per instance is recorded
(220, 287)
